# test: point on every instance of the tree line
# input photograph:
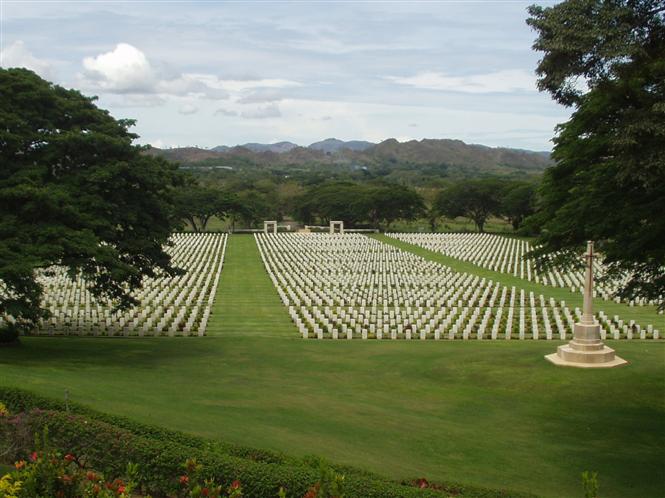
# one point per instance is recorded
(361, 204)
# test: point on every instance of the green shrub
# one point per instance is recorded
(8, 333)
(590, 484)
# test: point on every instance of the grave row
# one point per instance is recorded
(506, 255)
(351, 286)
(179, 305)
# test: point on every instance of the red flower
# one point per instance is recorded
(235, 484)
(69, 457)
(422, 483)
(313, 492)
(33, 456)
(204, 491)
(91, 476)
(20, 464)
(184, 480)
(67, 479)
(121, 489)
(96, 489)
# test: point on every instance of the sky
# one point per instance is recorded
(225, 73)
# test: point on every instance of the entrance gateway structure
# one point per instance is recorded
(337, 226)
(269, 226)
(586, 350)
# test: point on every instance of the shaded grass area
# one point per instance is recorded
(492, 414)
(643, 315)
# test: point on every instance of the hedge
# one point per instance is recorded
(108, 442)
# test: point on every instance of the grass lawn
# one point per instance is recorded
(494, 414)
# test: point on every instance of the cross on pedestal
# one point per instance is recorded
(587, 315)
(586, 350)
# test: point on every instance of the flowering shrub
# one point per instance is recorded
(194, 486)
(3, 410)
(47, 473)
(329, 485)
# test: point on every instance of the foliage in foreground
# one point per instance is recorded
(107, 443)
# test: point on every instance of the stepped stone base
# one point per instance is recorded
(586, 350)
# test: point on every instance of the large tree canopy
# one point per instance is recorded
(357, 203)
(197, 204)
(606, 59)
(75, 192)
(475, 199)
(517, 202)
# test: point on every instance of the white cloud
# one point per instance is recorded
(225, 112)
(127, 70)
(129, 100)
(504, 81)
(261, 112)
(245, 84)
(268, 111)
(158, 143)
(188, 109)
(17, 55)
(261, 97)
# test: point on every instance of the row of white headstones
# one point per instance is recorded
(352, 286)
(169, 306)
(506, 255)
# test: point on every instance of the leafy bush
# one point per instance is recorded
(48, 473)
(8, 333)
(590, 484)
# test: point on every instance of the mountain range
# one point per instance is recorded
(329, 145)
(454, 154)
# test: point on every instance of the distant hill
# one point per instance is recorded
(332, 145)
(278, 147)
(458, 153)
(391, 159)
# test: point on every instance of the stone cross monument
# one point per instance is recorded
(586, 350)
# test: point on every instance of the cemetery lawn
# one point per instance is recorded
(492, 414)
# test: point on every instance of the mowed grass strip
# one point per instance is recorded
(643, 315)
(247, 302)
